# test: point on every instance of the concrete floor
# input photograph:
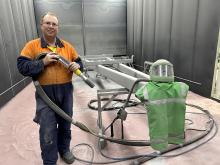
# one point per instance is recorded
(19, 135)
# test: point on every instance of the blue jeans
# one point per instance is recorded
(55, 133)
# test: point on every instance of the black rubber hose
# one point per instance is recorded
(141, 160)
(51, 104)
(144, 159)
(89, 83)
(80, 125)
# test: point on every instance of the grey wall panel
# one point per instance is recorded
(27, 81)
(92, 26)
(14, 34)
(69, 13)
(206, 44)
(163, 29)
(184, 32)
(11, 41)
(130, 27)
(18, 23)
(32, 20)
(105, 26)
(6, 92)
(5, 97)
(149, 22)
(184, 24)
(5, 82)
(27, 17)
(138, 32)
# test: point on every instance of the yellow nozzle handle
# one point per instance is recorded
(66, 63)
(77, 72)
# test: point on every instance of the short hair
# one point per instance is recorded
(47, 13)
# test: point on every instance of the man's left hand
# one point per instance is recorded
(73, 66)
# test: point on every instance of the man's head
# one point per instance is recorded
(162, 71)
(49, 25)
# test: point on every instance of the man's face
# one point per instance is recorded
(49, 26)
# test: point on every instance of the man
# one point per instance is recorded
(55, 79)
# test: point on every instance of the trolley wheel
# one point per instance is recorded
(102, 143)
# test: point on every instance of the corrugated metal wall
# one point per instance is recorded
(17, 26)
(183, 32)
(94, 27)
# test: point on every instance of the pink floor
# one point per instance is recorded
(19, 142)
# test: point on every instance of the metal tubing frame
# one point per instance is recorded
(122, 79)
(126, 79)
(132, 72)
(106, 92)
(105, 60)
(90, 62)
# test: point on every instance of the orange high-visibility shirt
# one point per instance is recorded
(54, 73)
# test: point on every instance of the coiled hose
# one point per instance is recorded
(80, 125)
(142, 159)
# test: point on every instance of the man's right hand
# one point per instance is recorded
(50, 57)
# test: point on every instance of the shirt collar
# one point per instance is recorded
(57, 43)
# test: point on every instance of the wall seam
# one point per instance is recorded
(155, 22)
(171, 29)
(9, 70)
(195, 41)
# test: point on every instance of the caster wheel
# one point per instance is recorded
(102, 143)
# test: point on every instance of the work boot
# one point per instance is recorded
(68, 157)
